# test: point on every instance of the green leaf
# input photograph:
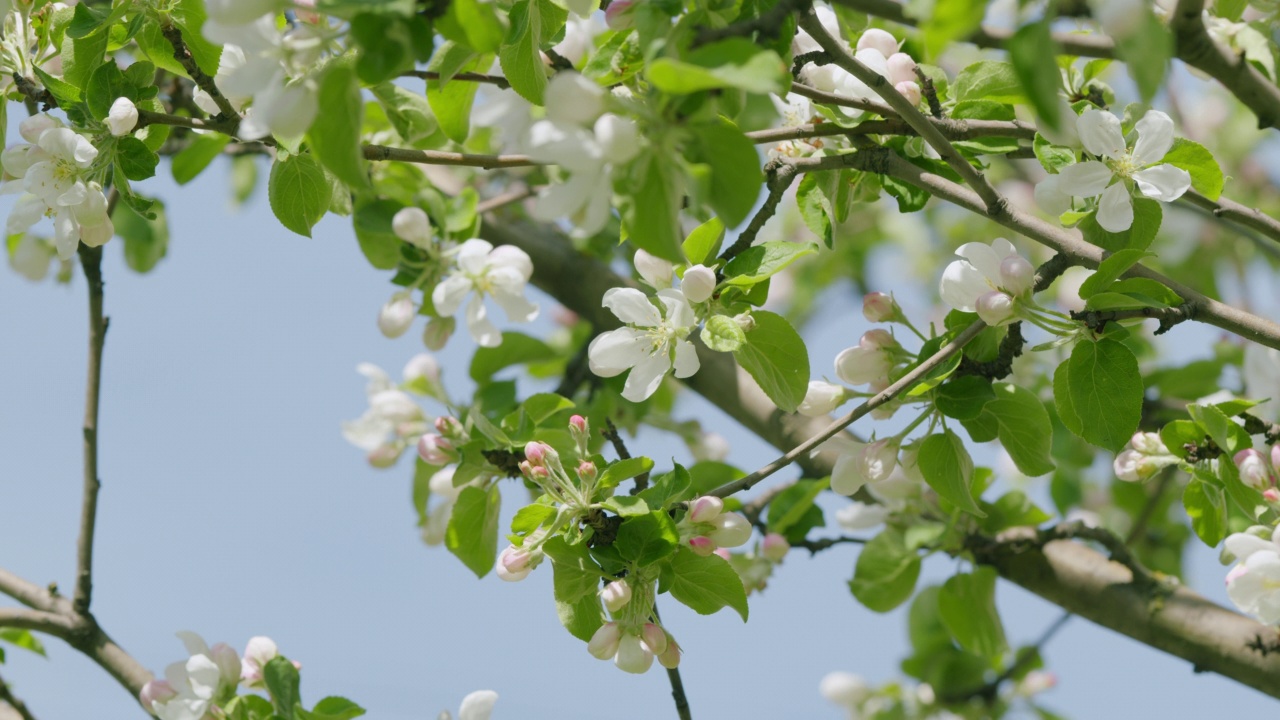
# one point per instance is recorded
(298, 193)
(776, 357)
(1025, 429)
(23, 639)
(189, 17)
(1207, 508)
(532, 22)
(531, 517)
(135, 159)
(964, 398)
(1206, 174)
(473, 23)
(451, 101)
(146, 241)
(989, 80)
(282, 682)
(86, 21)
(706, 584)
(736, 177)
(372, 224)
(723, 334)
(948, 469)
(1053, 157)
(1013, 509)
(654, 217)
(409, 113)
(1228, 435)
(196, 156)
(668, 488)
(386, 46)
(1034, 54)
(703, 244)
(335, 134)
(81, 57)
(792, 512)
(1110, 270)
(624, 469)
(1105, 388)
(646, 539)
(625, 506)
(576, 579)
(1147, 216)
(516, 349)
(736, 63)
(951, 20)
(886, 572)
(967, 606)
(333, 708)
(763, 261)
(473, 528)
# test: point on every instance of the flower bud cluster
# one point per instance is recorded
(873, 462)
(877, 49)
(871, 360)
(633, 648)
(207, 679)
(707, 527)
(1260, 471)
(1142, 457)
(988, 280)
(394, 420)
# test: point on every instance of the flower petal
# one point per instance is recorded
(1100, 133)
(478, 705)
(485, 334)
(647, 375)
(846, 475)
(1084, 179)
(1115, 211)
(614, 352)
(687, 362)
(962, 285)
(1155, 137)
(679, 313)
(1163, 182)
(1050, 197)
(473, 256)
(983, 258)
(631, 307)
(449, 294)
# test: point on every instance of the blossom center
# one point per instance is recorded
(1125, 166)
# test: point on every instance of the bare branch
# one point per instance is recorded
(780, 177)
(1233, 212)
(440, 157)
(474, 77)
(91, 261)
(1236, 74)
(7, 697)
(182, 54)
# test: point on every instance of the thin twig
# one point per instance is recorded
(1097, 319)
(182, 54)
(780, 177)
(6, 696)
(902, 385)
(610, 433)
(440, 157)
(507, 198)
(91, 261)
(474, 77)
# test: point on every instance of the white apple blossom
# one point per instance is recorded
(31, 258)
(987, 280)
(1142, 457)
(844, 689)
(392, 421)
(475, 706)
(122, 118)
(653, 270)
(861, 516)
(194, 685)
(821, 398)
(862, 464)
(1119, 165)
(616, 595)
(652, 342)
(867, 362)
(698, 283)
(710, 446)
(480, 269)
(795, 111)
(874, 49)
(579, 37)
(259, 651)
(1254, 583)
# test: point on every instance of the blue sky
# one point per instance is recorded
(231, 506)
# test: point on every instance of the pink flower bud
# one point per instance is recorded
(621, 14)
(396, 316)
(705, 508)
(616, 595)
(436, 450)
(910, 91)
(587, 470)
(995, 308)
(655, 638)
(156, 691)
(879, 307)
(878, 338)
(578, 425)
(724, 554)
(880, 40)
(537, 453)
(670, 658)
(383, 456)
(436, 335)
(633, 656)
(698, 283)
(1275, 456)
(449, 427)
(702, 545)
(1016, 274)
(1254, 469)
(514, 564)
(604, 643)
(731, 530)
(1271, 495)
(774, 547)
(902, 68)
(538, 474)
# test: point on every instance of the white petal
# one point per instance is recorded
(687, 362)
(1242, 545)
(647, 375)
(478, 705)
(1155, 137)
(1115, 210)
(984, 258)
(1100, 133)
(66, 234)
(473, 256)
(485, 334)
(1084, 179)
(510, 256)
(510, 297)
(612, 353)
(1163, 182)
(962, 285)
(678, 312)
(632, 307)
(449, 294)
(846, 476)
(1050, 197)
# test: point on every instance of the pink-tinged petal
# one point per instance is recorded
(687, 362)
(614, 352)
(1155, 137)
(1163, 182)
(1003, 248)
(1084, 179)
(449, 294)
(1115, 210)
(962, 285)
(632, 307)
(1100, 133)
(484, 332)
(647, 375)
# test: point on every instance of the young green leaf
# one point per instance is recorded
(706, 584)
(298, 193)
(886, 572)
(1105, 390)
(948, 469)
(776, 357)
(1025, 429)
(1207, 508)
(473, 528)
(967, 606)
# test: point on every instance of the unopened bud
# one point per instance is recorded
(1254, 469)
(1016, 274)
(587, 470)
(604, 643)
(879, 307)
(616, 595)
(702, 545)
(436, 450)
(437, 333)
(731, 530)
(705, 508)
(902, 68)
(449, 427)
(395, 318)
(1275, 456)
(878, 338)
(633, 656)
(122, 118)
(1272, 496)
(995, 308)
(654, 270)
(156, 691)
(746, 322)
(670, 658)
(724, 554)
(698, 283)
(877, 39)
(621, 14)
(774, 547)
(514, 564)
(820, 399)
(383, 456)
(910, 91)
(578, 425)
(655, 638)
(538, 453)
(412, 225)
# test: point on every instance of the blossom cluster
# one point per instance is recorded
(1143, 456)
(194, 689)
(876, 48)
